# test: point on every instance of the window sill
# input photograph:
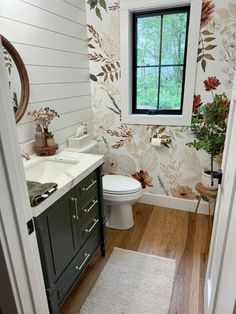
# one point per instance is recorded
(175, 120)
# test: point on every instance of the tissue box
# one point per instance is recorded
(78, 142)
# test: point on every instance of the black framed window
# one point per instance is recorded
(159, 59)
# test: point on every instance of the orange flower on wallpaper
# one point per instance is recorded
(144, 178)
(183, 191)
(197, 102)
(208, 8)
(211, 83)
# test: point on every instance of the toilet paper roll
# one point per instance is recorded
(156, 142)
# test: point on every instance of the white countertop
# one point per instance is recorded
(87, 164)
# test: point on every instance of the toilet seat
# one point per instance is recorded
(120, 185)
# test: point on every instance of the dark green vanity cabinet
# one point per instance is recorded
(69, 233)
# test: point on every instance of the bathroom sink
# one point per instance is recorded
(48, 170)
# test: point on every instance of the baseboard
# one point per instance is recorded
(174, 202)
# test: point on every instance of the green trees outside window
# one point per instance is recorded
(159, 55)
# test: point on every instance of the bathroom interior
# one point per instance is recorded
(120, 111)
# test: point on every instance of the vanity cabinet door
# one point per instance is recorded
(58, 237)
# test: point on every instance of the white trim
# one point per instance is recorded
(19, 249)
(127, 7)
(174, 202)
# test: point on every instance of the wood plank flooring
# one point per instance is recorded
(165, 232)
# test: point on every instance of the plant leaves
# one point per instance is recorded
(108, 67)
(92, 3)
(111, 77)
(199, 51)
(116, 75)
(210, 47)
(199, 58)
(101, 74)
(203, 63)
(98, 13)
(104, 69)
(103, 4)
(91, 46)
(208, 39)
(112, 109)
(206, 32)
(93, 77)
(209, 56)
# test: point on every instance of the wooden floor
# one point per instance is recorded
(165, 232)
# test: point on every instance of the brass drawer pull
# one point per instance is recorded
(75, 201)
(88, 187)
(94, 202)
(84, 261)
(91, 228)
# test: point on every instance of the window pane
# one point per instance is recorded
(171, 88)
(174, 38)
(147, 82)
(148, 40)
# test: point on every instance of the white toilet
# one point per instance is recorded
(119, 194)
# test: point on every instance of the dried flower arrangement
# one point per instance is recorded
(43, 117)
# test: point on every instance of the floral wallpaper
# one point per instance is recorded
(172, 170)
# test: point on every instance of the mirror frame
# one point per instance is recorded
(24, 99)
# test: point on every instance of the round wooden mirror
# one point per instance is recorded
(17, 78)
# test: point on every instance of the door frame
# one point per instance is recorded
(19, 249)
(221, 220)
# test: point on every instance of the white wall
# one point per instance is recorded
(52, 41)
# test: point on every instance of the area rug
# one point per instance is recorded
(132, 283)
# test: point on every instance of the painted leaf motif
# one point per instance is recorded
(93, 78)
(127, 164)
(148, 160)
(223, 13)
(199, 58)
(92, 3)
(98, 13)
(203, 65)
(91, 46)
(209, 56)
(210, 47)
(103, 4)
(208, 39)
(199, 51)
(206, 32)
(232, 9)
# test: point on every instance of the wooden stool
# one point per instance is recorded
(208, 193)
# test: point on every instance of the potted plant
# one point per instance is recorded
(209, 123)
(50, 139)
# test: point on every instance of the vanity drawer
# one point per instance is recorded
(89, 228)
(87, 186)
(89, 208)
(70, 276)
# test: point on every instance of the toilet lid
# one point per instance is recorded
(116, 184)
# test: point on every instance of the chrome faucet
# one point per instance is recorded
(25, 155)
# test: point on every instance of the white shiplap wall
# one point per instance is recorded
(51, 37)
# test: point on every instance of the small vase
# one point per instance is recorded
(50, 141)
(40, 140)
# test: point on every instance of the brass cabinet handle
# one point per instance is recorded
(84, 261)
(94, 202)
(91, 228)
(88, 187)
(75, 201)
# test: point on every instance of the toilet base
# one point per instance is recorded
(119, 216)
